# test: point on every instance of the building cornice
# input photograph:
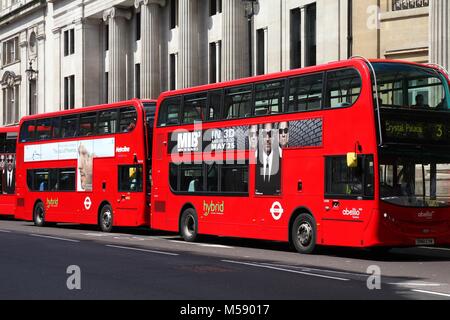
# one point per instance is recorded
(7, 16)
(138, 3)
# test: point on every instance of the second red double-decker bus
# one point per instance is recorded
(86, 166)
(8, 137)
(313, 156)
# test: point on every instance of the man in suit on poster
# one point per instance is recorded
(268, 168)
(10, 176)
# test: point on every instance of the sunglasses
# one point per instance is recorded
(284, 131)
(267, 134)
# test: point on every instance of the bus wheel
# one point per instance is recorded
(106, 218)
(303, 234)
(39, 215)
(189, 225)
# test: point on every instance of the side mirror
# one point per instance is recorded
(352, 160)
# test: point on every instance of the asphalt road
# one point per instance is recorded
(141, 264)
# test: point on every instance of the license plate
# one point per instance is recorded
(425, 242)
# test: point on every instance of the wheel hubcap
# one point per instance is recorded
(190, 226)
(40, 214)
(304, 234)
(107, 217)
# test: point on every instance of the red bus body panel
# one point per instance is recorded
(129, 208)
(251, 217)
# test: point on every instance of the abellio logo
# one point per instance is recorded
(123, 149)
(355, 213)
(426, 214)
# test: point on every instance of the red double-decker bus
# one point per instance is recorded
(86, 166)
(353, 153)
(8, 137)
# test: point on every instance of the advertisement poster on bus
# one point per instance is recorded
(85, 165)
(265, 142)
(7, 173)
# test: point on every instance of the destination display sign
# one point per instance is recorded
(414, 131)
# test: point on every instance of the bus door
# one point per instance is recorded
(349, 189)
(130, 195)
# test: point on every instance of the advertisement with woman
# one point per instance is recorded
(85, 166)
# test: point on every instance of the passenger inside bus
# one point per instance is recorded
(420, 102)
(194, 186)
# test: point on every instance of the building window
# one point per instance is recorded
(215, 62)
(173, 14)
(11, 105)
(33, 96)
(106, 89)
(296, 40)
(261, 51)
(311, 35)
(173, 72)
(138, 26)
(409, 4)
(11, 51)
(69, 42)
(69, 92)
(215, 7)
(137, 81)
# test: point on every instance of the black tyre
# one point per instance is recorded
(189, 225)
(106, 218)
(304, 234)
(39, 215)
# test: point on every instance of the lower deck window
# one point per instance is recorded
(344, 182)
(130, 178)
(51, 179)
(209, 179)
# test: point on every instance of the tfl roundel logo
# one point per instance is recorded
(87, 203)
(276, 211)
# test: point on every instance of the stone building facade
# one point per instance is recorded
(63, 54)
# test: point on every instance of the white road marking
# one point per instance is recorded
(432, 292)
(435, 248)
(142, 250)
(416, 284)
(5, 231)
(204, 245)
(53, 238)
(285, 270)
(307, 269)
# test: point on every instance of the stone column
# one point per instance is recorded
(56, 87)
(118, 46)
(440, 32)
(188, 63)
(234, 41)
(25, 84)
(150, 44)
(40, 85)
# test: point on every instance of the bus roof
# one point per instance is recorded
(87, 109)
(357, 61)
(9, 129)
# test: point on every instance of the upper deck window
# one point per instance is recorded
(405, 86)
(80, 125)
(343, 88)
